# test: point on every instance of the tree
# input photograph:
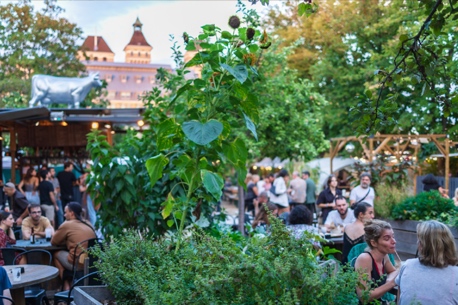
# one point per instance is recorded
(34, 43)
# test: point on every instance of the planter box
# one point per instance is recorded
(405, 232)
(91, 295)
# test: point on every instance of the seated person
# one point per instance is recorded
(5, 286)
(36, 222)
(377, 273)
(340, 217)
(300, 220)
(73, 231)
(262, 216)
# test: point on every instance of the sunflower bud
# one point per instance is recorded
(185, 37)
(250, 33)
(234, 22)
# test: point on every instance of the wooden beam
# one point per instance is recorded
(439, 145)
(380, 147)
(13, 154)
(447, 163)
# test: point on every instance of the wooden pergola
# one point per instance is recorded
(395, 145)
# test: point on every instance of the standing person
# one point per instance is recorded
(66, 181)
(278, 190)
(363, 192)
(55, 183)
(310, 197)
(251, 192)
(35, 221)
(375, 264)
(326, 199)
(73, 231)
(297, 190)
(342, 215)
(47, 196)
(432, 278)
(28, 186)
(18, 203)
(354, 233)
(430, 183)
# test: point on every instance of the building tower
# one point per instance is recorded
(96, 50)
(138, 50)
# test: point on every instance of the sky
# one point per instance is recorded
(113, 20)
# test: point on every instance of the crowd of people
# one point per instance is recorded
(33, 208)
(369, 245)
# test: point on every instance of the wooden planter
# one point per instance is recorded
(405, 232)
(91, 295)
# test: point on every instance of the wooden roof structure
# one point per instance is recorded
(395, 145)
(47, 130)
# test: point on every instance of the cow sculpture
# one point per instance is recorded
(61, 90)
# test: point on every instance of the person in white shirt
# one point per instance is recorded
(278, 191)
(363, 192)
(341, 216)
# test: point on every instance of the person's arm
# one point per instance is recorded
(322, 201)
(352, 198)
(60, 236)
(20, 185)
(329, 221)
(7, 293)
(53, 200)
(364, 264)
(26, 230)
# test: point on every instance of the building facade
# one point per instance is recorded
(127, 81)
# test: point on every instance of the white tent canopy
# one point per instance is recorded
(324, 166)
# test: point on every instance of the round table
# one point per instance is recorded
(33, 274)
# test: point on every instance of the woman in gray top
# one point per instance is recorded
(432, 278)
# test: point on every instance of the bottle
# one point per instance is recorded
(7, 205)
(32, 237)
(315, 220)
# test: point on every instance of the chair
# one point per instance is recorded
(9, 254)
(67, 296)
(35, 294)
(76, 273)
(2, 297)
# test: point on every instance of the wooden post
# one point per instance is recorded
(109, 136)
(13, 153)
(331, 155)
(371, 150)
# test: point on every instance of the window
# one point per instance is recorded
(152, 80)
(138, 79)
(96, 58)
(108, 78)
(125, 94)
(139, 54)
(123, 78)
(104, 59)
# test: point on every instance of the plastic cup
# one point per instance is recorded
(48, 233)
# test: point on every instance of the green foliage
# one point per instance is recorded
(222, 270)
(388, 196)
(34, 43)
(425, 206)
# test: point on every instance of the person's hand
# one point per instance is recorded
(57, 208)
(19, 221)
(7, 209)
(391, 277)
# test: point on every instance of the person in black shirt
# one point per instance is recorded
(66, 181)
(326, 199)
(18, 203)
(47, 198)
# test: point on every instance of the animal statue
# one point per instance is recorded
(48, 89)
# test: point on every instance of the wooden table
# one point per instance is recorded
(34, 274)
(40, 243)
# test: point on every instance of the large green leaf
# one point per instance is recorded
(235, 151)
(168, 206)
(213, 183)
(155, 166)
(202, 134)
(250, 126)
(167, 130)
(240, 72)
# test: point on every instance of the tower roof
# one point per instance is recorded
(137, 38)
(95, 44)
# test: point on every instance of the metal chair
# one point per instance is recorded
(76, 272)
(35, 295)
(9, 254)
(2, 297)
(67, 296)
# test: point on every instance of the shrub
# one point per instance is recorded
(425, 206)
(388, 196)
(206, 270)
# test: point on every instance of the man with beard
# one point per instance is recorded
(363, 192)
(35, 221)
(341, 216)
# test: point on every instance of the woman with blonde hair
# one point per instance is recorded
(29, 185)
(375, 264)
(432, 278)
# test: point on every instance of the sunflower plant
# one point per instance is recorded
(195, 131)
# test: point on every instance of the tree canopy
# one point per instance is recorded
(35, 42)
